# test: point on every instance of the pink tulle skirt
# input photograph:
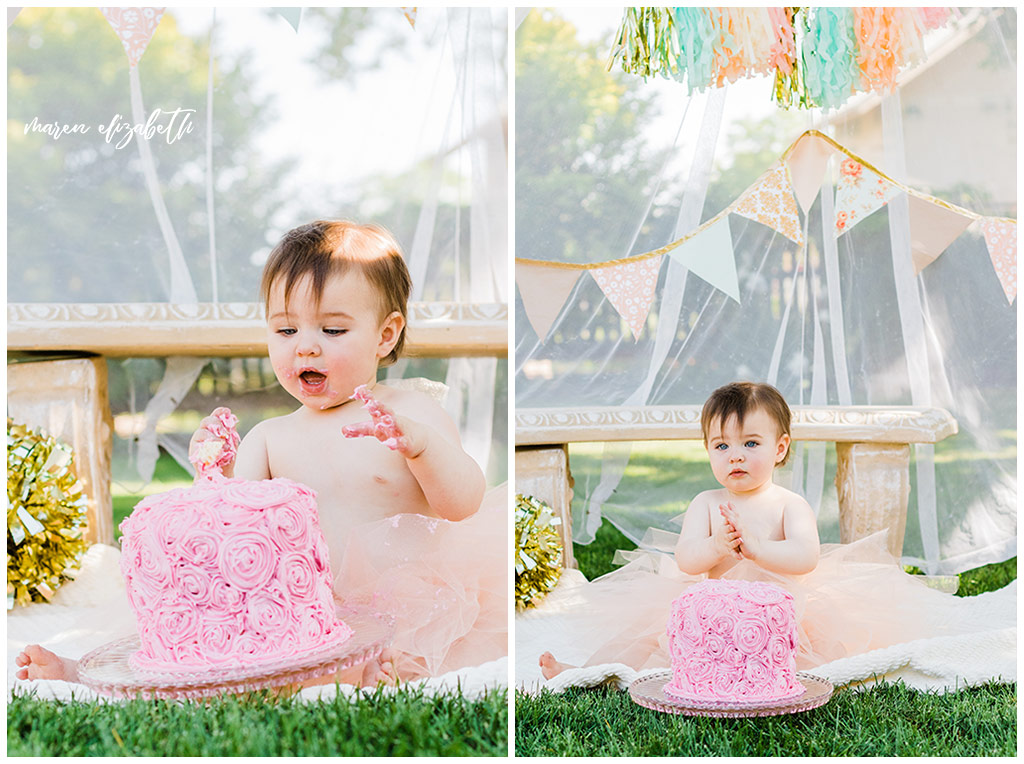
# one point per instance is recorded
(857, 599)
(445, 583)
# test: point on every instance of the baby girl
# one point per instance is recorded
(401, 503)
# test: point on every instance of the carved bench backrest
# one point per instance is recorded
(849, 424)
(230, 329)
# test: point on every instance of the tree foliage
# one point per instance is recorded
(81, 224)
(582, 166)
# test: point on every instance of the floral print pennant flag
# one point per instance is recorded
(629, 287)
(859, 193)
(1001, 238)
(134, 28)
(771, 201)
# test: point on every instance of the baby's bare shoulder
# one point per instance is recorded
(793, 503)
(411, 403)
(711, 498)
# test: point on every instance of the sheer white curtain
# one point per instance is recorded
(357, 114)
(836, 321)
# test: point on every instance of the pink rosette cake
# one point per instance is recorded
(228, 573)
(733, 641)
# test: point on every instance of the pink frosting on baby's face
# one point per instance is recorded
(733, 641)
(227, 573)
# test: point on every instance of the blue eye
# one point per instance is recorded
(721, 447)
(286, 332)
(334, 332)
(751, 444)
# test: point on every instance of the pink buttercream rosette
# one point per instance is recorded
(228, 572)
(733, 641)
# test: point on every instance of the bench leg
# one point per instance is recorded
(543, 472)
(68, 400)
(873, 481)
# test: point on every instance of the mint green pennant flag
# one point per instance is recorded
(710, 255)
(291, 15)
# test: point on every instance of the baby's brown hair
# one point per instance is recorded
(739, 398)
(326, 248)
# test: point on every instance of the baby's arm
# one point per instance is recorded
(797, 552)
(450, 479)
(699, 549)
(252, 462)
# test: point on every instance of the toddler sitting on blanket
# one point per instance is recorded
(849, 598)
(401, 504)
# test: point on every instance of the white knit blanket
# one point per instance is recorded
(93, 609)
(941, 664)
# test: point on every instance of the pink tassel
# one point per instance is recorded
(934, 17)
(783, 50)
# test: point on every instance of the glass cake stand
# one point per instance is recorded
(649, 692)
(107, 670)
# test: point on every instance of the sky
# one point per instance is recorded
(378, 125)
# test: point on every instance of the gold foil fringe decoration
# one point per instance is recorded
(538, 550)
(46, 515)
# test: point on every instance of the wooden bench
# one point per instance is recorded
(68, 397)
(872, 448)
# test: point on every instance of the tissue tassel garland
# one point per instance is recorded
(45, 515)
(538, 551)
(816, 56)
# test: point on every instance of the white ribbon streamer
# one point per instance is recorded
(837, 329)
(182, 289)
(912, 324)
(211, 220)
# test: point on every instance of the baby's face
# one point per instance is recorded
(743, 458)
(321, 353)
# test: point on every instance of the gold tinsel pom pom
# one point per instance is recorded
(45, 515)
(538, 550)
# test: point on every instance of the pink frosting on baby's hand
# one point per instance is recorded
(216, 453)
(384, 427)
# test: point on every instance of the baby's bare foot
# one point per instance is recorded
(39, 663)
(380, 670)
(551, 668)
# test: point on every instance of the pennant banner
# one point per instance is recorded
(134, 27)
(710, 255)
(1001, 238)
(859, 192)
(932, 229)
(774, 200)
(771, 201)
(544, 292)
(629, 287)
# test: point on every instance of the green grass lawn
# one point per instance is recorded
(890, 720)
(374, 724)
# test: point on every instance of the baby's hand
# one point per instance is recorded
(727, 538)
(396, 432)
(215, 444)
(747, 541)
